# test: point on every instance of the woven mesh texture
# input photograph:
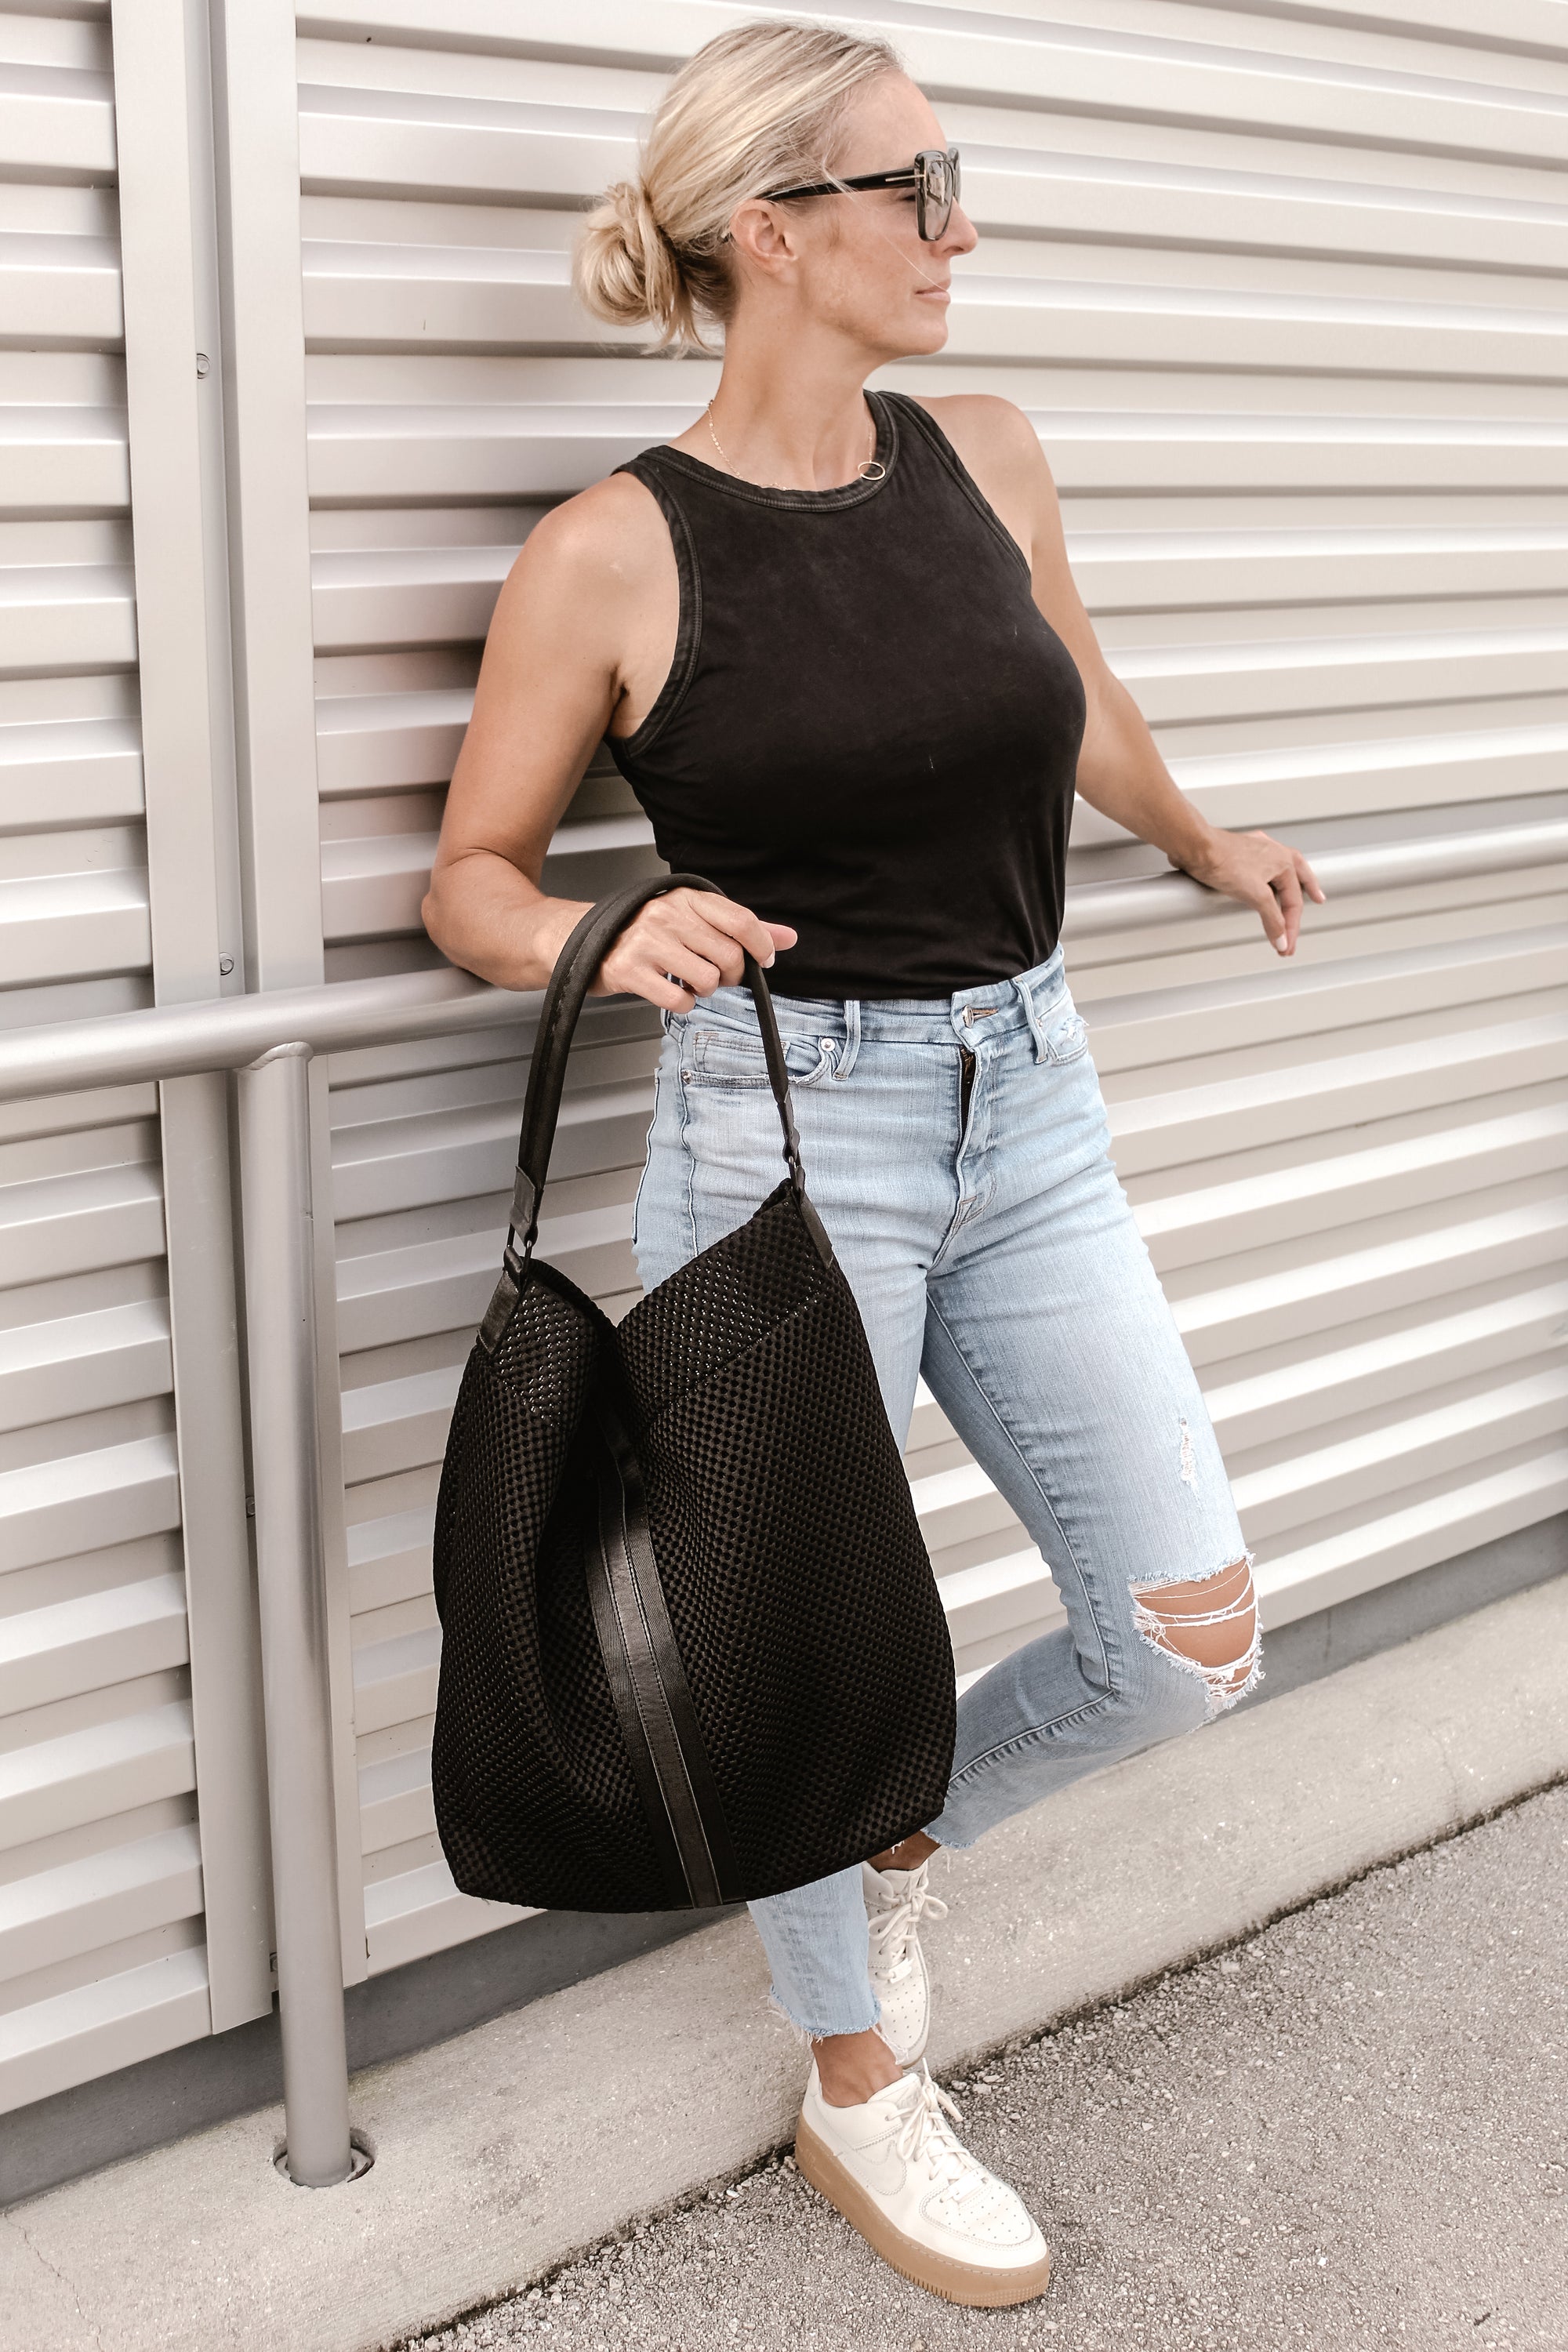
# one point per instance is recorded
(798, 1585)
(534, 1797)
(720, 1303)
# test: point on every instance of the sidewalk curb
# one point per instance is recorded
(501, 2153)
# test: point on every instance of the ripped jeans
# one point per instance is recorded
(957, 1150)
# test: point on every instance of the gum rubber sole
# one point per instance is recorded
(971, 2283)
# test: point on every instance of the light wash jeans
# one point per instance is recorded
(997, 1254)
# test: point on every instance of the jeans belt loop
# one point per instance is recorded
(1037, 1027)
(851, 1036)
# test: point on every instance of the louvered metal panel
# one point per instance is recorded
(1284, 300)
(126, 1924)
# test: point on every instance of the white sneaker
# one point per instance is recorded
(896, 1901)
(901, 2178)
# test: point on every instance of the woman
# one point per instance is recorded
(835, 643)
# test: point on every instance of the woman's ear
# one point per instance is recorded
(764, 238)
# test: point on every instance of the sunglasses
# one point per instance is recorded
(933, 175)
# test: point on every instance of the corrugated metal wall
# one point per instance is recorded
(1285, 300)
(1283, 290)
(125, 1924)
(1295, 376)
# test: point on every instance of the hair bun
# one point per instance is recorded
(626, 268)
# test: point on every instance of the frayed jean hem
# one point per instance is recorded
(809, 2033)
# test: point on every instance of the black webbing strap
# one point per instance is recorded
(576, 966)
(648, 1685)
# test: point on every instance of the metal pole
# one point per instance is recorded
(279, 1272)
(176, 1041)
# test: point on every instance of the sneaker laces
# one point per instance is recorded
(927, 2137)
(890, 1928)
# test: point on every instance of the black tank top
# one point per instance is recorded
(868, 731)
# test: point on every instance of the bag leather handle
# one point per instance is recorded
(576, 966)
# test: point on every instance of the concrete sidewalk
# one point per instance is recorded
(1349, 2132)
(501, 2153)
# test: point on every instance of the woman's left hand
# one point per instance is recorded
(1262, 873)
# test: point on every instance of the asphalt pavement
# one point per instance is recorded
(1350, 2131)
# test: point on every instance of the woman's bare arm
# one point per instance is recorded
(577, 635)
(1120, 769)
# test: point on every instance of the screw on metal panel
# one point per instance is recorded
(203, 364)
(226, 965)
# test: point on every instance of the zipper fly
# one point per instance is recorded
(965, 1086)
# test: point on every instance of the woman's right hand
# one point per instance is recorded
(683, 946)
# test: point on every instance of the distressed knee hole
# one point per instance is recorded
(1209, 1627)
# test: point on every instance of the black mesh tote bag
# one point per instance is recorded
(692, 1649)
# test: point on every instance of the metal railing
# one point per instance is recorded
(270, 1040)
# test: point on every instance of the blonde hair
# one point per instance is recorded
(755, 109)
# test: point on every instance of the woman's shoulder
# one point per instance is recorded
(985, 430)
(606, 523)
(1000, 450)
(604, 541)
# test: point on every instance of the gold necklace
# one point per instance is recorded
(870, 469)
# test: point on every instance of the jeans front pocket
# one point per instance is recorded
(725, 1055)
(1064, 1032)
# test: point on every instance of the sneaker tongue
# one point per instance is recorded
(904, 2095)
(890, 1886)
